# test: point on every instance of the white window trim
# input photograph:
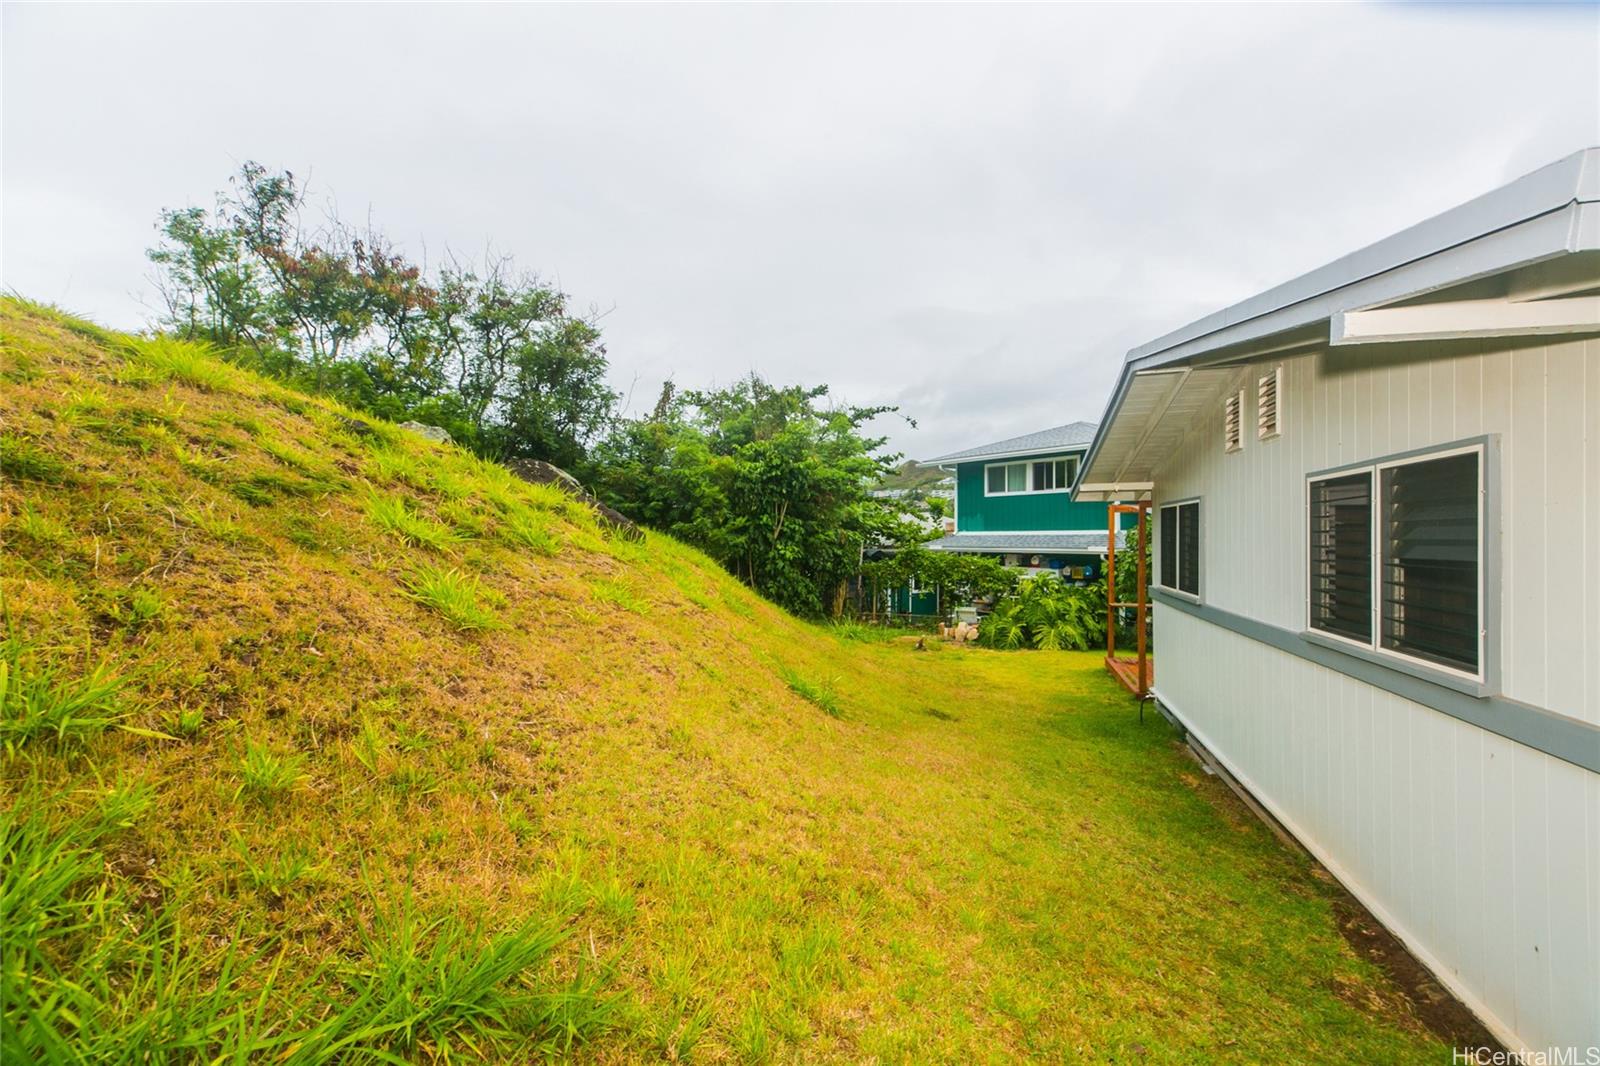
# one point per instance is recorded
(1374, 645)
(1075, 458)
(1200, 580)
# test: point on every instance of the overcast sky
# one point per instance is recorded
(972, 212)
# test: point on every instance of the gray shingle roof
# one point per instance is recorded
(1071, 435)
(1022, 542)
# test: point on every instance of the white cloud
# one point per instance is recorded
(972, 211)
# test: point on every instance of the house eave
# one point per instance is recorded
(1024, 542)
(1037, 443)
(1544, 216)
(1556, 192)
(1073, 449)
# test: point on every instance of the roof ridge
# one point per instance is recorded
(1086, 431)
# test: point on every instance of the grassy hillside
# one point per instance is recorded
(321, 740)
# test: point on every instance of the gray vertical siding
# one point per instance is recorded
(1482, 853)
(1542, 402)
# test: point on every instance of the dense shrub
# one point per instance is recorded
(962, 578)
(773, 481)
(1046, 612)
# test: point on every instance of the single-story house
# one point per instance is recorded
(1376, 496)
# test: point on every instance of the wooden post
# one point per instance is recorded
(1137, 680)
(1111, 582)
(1143, 606)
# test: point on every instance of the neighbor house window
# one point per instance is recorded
(1006, 477)
(1397, 558)
(1180, 547)
(1037, 475)
(1054, 474)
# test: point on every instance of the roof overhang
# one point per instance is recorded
(1156, 411)
(1523, 260)
(1083, 542)
(1066, 449)
(1057, 440)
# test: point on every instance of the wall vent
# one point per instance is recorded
(1232, 422)
(1268, 417)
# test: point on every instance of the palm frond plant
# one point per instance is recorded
(1045, 612)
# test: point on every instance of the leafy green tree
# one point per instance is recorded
(321, 292)
(212, 284)
(960, 578)
(556, 398)
(402, 357)
(487, 352)
(770, 480)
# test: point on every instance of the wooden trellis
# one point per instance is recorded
(1134, 673)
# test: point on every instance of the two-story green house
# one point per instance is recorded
(1013, 500)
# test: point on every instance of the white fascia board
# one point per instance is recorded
(1567, 275)
(1466, 318)
(1553, 189)
(1043, 453)
(1586, 229)
(1116, 490)
(1552, 212)
(1533, 241)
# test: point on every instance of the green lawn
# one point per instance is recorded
(322, 741)
(1006, 865)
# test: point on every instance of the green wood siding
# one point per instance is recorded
(977, 513)
(922, 603)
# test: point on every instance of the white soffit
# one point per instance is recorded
(1158, 410)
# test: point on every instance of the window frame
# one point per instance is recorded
(1197, 596)
(1486, 679)
(1005, 477)
(1373, 566)
(1075, 466)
